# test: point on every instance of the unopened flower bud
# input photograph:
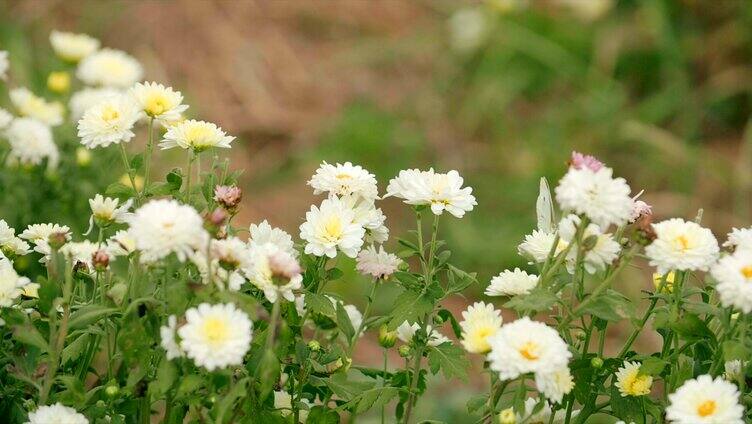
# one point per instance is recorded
(596, 363)
(83, 157)
(59, 82)
(645, 232)
(101, 260)
(387, 338)
(112, 389)
(228, 197)
(507, 416)
(334, 366)
(283, 266)
(640, 209)
(314, 346)
(215, 220)
(405, 351)
(580, 161)
(57, 240)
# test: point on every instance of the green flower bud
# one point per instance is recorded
(314, 346)
(387, 338)
(405, 351)
(112, 390)
(596, 363)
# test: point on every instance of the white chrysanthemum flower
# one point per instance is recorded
(377, 262)
(121, 244)
(10, 245)
(274, 271)
(479, 322)
(596, 194)
(108, 210)
(216, 336)
(705, 400)
(232, 253)
(630, 382)
(4, 65)
(739, 238)
(230, 279)
(81, 251)
(5, 119)
(330, 227)
(161, 227)
(56, 414)
(263, 233)
(73, 47)
(157, 101)
(11, 284)
(406, 332)
(283, 403)
(109, 122)
(682, 246)
(603, 252)
(538, 245)
(368, 216)
(734, 369)
(195, 135)
(734, 276)
(526, 346)
(31, 143)
(36, 233)
(554, 385)
(168, 336)
(109, 68)
(442, 192)
(344, 179)
(543, 416)
(85, 99)
(512, 283)
(30, 105)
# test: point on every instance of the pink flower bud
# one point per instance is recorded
(228, 196)
(580, 161)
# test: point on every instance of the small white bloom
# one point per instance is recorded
(36, 233)
(263, 233)
(344, 179)
(31, 143)
(161, 227)
(630, 382)
(83, 100)
(108, 122)
(406, 332)
(195, 135)
(554, 385)
(157, 101)
(526, 346)
(11, 284)
(512, 283)
(216, 336)
(10, 245)
(543, 416)
(274, 271)
(168, 340)
(108, 210)
(81, 251)
(4, 65)
(109, 68)
(56, 414)
(734, 276)
(121, 244)
(479, 322)
(705, 400)
(330, 227)
(603, 252)
(377, 262)
(739, 238)
(468, 29)
(5, 119)
(442, 192)
(596, 194)
(368, 216)
(682, 246)
(30, 105)
(538, 245)
(73, 47)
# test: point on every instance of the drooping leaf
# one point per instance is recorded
(450, 359)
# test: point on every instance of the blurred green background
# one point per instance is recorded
(501, 91)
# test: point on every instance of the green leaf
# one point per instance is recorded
(318, 303)
(175, 180)
(344, 388)
(734, 349)
(652, 366)
(343, 322)
(167, 373)
(159, 188)
(136, 162)
(539, 299)
(120, 190)
(690, 327)
(610, 306)
(28, 334)
(450, 359)
(447, 316)
(373, 398)
(411, 306)
(458, 280)
(237, 391)
(48, 292)
(322, 415)
(75, 348)
(88, 315)
(476, 403)
(189, 384)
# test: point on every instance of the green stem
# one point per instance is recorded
(131, 175)
(191, 158)
(383, 384)
(57, 335)
(147, 156)
(366, 314)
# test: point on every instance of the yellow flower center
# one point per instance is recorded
(215, 330)
(198, 136)
(682, 242)
(479, 339)
(638, 385)
(747, 272)
(156, 105)
(706, 408)
(529, 351)
(110, 114)
(333, 229)
(343, 176)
